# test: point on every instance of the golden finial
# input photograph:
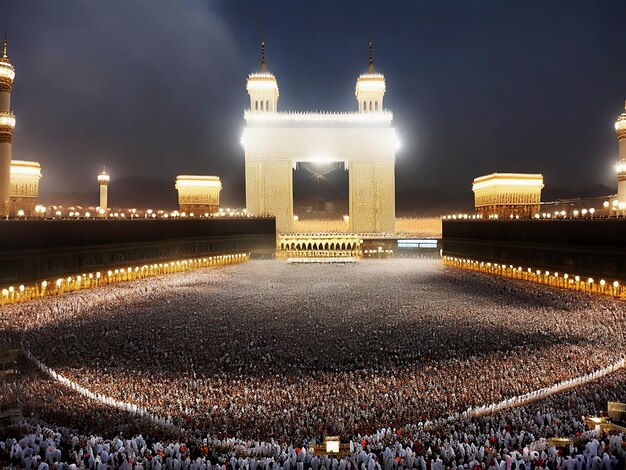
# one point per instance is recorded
(263, 66)
(371, 67)
(4, 48)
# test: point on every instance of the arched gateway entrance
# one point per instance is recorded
(363, 141)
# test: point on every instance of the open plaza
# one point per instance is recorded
(202, 271)
(285, 354)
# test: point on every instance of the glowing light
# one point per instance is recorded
(398, 143)
(198, 181)
(379, 117)
(7, 71)
(24, 168)
(370, 83)
(262, 82)
(508, 179)
(7, 119)
(104, 178)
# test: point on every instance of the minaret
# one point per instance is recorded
(620, 129)
(103, 181)
(370, 88)
(263, 88)
(7, 123)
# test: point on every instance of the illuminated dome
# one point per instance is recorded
(7, 71)
(370, 88)
(263, 88)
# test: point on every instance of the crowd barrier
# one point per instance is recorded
(62, 285)
(542, 393)
(553, 279)
(105, 400)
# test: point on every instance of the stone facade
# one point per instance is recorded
(198, 195)
(24, 187)
(508, 194)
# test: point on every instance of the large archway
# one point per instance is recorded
(364, 141)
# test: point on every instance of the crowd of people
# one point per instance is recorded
(515, 439)
(282, 354)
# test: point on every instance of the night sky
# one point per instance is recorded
(157, 87)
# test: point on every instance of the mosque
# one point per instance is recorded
(363, 140)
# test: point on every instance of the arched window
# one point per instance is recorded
(375, 105)
(267, 105)
(370, 105)
(261, 105)
(256, 105)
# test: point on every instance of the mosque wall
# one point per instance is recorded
(31, 250)
(586, 247)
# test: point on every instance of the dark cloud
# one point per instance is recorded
(157, 88)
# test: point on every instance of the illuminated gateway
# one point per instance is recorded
(364, 141)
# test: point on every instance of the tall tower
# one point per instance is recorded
(103, 181)
(266, 180)
(370, 88)
(263, 88)
(620, 129)
(7, 123)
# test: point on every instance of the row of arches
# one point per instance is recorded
(317, 246)
(262, 105)
(369, 106)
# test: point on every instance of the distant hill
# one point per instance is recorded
(553, 194)
(133, 191)
(431, 202)
(140, 192)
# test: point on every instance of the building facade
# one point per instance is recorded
(24, 188)
(198, 195)
(508, 194)
(364, 141)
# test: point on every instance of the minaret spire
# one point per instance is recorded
(263, 66)
(371, 67)
(4, 47)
